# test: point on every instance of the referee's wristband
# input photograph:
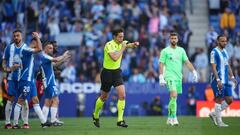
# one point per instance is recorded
(218, 79)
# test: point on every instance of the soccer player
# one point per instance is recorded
(51, 92)
(220, 80)
(26, 86)
(111, 75)
(170, 69)
(11, 64)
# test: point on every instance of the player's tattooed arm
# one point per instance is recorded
(230, 73)
(214, 69)
(9, 69)
(219, 83)
(39, 44)
(63, 58)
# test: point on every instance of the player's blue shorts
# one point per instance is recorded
(24, 89)
(12, 87)
(33, 89)
(226, 89)
(51, 91)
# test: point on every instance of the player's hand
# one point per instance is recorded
(195, 76)
(14, 67)
(162, 82)
(67, 55)
(234, 82)
(219, 85)
(35, 35)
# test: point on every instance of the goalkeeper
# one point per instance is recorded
(171, 61)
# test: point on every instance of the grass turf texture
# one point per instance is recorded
(137, 126)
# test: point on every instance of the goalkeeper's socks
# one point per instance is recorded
(98, 107)
(173, 106)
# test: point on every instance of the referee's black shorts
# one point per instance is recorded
(110, 78)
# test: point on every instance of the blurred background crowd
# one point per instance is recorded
(146, 21)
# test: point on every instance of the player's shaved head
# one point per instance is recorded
(221, 36)
(222, 41)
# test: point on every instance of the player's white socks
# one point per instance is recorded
(17, 110)
(39, 112)
(45, 111)
(8, 112)
(25, 112)
(54, 111)
(224, 105)
(218, 111)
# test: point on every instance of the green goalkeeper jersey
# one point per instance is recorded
(173, 59)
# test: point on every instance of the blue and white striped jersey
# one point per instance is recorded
(47, 70)
(12, 56)
(220, 58)
(27, 58)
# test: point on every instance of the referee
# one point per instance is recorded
(111, 75)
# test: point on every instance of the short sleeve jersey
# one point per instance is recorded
(220, 58)
(27, 64)
(12, 56)
(47, 70)
(173, 59)
(108, 62)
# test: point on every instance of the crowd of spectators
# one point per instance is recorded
(224, 18)
(146, 21)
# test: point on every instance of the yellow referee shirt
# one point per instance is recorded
(108, 62)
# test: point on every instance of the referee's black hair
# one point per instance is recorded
(116, 31)
(17, 30)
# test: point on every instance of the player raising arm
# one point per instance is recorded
(51, 92)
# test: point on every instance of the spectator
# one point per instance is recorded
(69, 73)
(137, 77)
(156, 106)
(211, 37)
(209, 95)
(192, 97)
(228, 21)
(201, 64)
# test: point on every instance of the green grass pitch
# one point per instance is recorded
(137, 126)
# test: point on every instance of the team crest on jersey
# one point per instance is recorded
(170, 56)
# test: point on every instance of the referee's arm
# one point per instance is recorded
(117, 54)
